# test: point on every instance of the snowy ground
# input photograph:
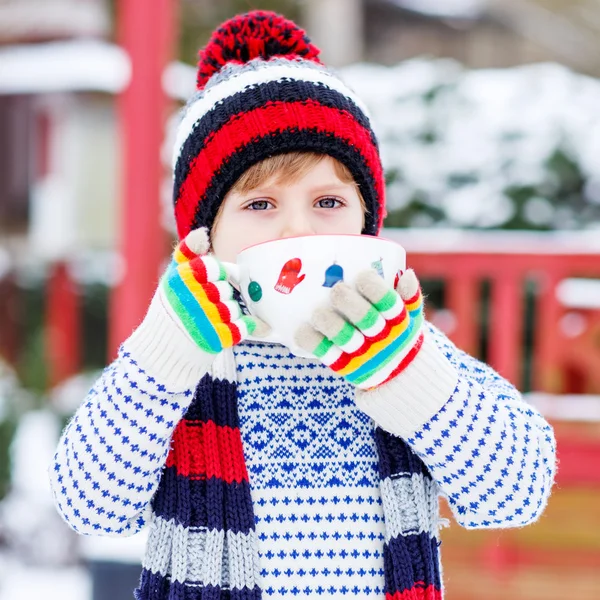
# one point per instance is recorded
(21, 582)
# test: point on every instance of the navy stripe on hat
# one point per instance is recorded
(255, 97)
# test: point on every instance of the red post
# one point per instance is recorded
(506, 326)
(546, 368)
(146, 31)
(463, 300)
(63, 326)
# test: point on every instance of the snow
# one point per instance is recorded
(122, 549)
(42, 555)
(582, 408)
(8, 384)
(435, 241)
(66, 397)
(79, 65)
(463, 9)
(37, 430)
(13, 398)
(23, 582)
(579, 293)
(461, 139)
(179, 81)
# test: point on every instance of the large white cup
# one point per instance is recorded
(283, 281)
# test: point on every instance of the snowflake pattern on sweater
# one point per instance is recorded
(312, 465)
(490, 453)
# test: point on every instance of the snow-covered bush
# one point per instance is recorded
(30, 524)
(505, 148)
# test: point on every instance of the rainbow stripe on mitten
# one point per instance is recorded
(371, 333)
(196, 288)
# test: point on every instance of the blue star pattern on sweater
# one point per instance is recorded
(312, 465)
(110, 458)
(489, 452)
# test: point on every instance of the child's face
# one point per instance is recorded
(317, 203)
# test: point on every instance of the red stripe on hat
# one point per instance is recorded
(200, 450)
(243, 128)
(418, 592)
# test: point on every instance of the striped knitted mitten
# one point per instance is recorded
(372, 333)
(196, 288)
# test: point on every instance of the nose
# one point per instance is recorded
(297, 223)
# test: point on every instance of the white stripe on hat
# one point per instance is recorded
(245, 79)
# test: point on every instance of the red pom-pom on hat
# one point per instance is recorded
(257, 34)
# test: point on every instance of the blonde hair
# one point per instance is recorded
(288, 167)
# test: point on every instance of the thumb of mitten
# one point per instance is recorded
(197, 241)
(262, 329)
(408, 285)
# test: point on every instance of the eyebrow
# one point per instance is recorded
(333, 185)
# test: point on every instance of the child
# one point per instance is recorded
(259, 473)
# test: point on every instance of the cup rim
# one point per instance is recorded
(295, 237)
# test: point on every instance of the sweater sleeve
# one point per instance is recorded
(110, 457)
(492, 454)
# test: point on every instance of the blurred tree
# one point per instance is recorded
(13, 403)
(7, 431)
(31, 367)
(490, 149)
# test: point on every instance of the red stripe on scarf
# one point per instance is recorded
(418, 592)
(202, 450)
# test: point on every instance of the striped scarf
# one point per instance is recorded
(202, 542)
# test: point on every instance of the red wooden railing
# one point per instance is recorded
(507, 260)
(463, 260)
(556, 557)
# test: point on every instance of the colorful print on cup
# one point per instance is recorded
(378, 266)
(333, 275)
(254, 291)
(290, 276)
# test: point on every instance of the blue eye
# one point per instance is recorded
(329, 203)
(258, 205)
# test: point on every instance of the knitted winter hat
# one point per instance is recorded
(263, 91)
